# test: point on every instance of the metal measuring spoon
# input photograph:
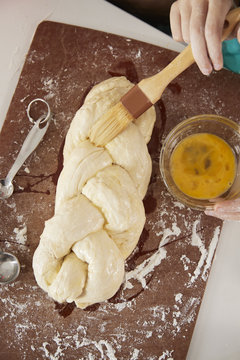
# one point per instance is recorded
(32, 140)
(9, 267)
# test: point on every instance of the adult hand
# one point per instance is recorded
(201, 23)
(227, 210)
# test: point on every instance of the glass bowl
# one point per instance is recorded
(223, 128)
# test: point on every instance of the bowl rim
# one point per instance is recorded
(190, 120)
(198, 204)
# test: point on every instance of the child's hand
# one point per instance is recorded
(227, 210)
(201, 23)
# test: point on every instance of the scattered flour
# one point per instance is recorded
(148, 265)
(26, 169)
(135, 354)
(205, 254)
(167, 355)
(21, 234)
(173, 319)
(178, 298)
(50, 86)
(211, 251)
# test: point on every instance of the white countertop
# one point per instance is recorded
(217, 332)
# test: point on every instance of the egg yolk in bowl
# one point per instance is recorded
(203, 166)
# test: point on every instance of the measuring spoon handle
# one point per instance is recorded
(32, 140)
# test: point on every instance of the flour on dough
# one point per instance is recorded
(99, 213)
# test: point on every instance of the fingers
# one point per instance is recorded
(227, 210)
(197, 37)
(185, 20)
(180, 14)
(224, 216)
(228, 205)
(175, 22)
(201, 23)
(213, 31)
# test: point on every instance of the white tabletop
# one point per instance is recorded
(217, 332)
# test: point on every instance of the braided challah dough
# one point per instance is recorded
(99, 214)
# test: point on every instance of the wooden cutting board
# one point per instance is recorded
(153, 317)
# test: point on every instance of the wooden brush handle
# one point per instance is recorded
(154, 86)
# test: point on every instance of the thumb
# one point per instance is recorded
(238, 33)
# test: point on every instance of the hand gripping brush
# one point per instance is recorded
(147, 92)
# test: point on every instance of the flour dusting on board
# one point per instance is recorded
(50, 86)
(144, 269)
(206, 255)
(21, 234)
(148, 265)
(172, 319)
(153, 314)
(158, 320)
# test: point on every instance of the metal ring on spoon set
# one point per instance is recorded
(44, 118)
(32, 140)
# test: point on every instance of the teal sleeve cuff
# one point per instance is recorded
(231, 55)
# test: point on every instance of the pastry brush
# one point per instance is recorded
(147, 92)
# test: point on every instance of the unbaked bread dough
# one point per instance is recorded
(99, 214)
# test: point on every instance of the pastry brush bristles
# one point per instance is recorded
(110, 125)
